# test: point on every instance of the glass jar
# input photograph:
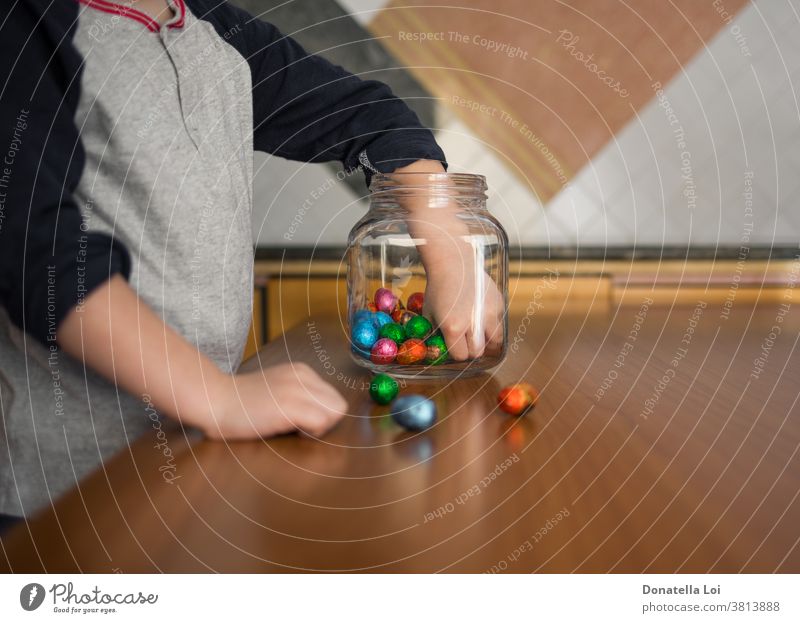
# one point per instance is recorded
(427, 278)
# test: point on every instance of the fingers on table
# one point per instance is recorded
(323, 406)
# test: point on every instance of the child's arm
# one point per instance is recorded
(471, 321)
(308, 109)
(115, 333)
(305, 108)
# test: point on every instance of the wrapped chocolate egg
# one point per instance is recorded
(364, 334)
(383, 389)
(381, 318)
(418, 327)
(415, 302)
(411, 351)
(414, 412)
(437, 350)
(361, 314)
(402, 316)
(518, 398)
(385, 300)
(394, 332)
(372, 307)
(383, 351)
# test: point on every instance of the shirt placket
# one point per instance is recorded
(189, 93)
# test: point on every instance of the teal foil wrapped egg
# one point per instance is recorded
(381, 318)
(361, 315)
(363, 336)
(413, 412)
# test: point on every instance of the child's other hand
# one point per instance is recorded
(275, 400)
(472, 325)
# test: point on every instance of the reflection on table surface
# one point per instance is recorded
(665, 440)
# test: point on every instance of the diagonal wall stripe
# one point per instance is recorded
(587, 64)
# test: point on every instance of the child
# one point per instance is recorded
(125, 243)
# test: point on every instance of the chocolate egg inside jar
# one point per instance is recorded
(427, 278)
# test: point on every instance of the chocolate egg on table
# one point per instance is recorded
(415, 302)
(385, 301)
(383, 389)
(383, 351)
(437, 350)
(414, 412)
(393, 331)
(518, 398)
(381, 318)
(372, 307)
(364, 335)
(418, 327)
(411, 351)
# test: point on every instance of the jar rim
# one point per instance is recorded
(465, 182)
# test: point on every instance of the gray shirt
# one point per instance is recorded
(166, 122)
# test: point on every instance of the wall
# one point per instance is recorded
(661, 180)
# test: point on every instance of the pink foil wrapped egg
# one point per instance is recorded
(384, 351)
(385, 301)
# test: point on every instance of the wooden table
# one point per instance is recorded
(688, 461)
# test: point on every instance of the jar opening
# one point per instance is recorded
(457, 183)
(437, 190)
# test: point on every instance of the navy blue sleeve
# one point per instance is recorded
(306, 108)
(48, 263)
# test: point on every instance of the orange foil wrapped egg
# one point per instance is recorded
(411, 351)
(517, 399)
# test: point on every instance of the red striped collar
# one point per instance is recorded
(135, 14)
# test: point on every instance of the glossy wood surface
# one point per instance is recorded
(705, 479)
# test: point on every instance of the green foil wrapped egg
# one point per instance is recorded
(437, 350)
(394, 332)
(383, 389)
(418, 327)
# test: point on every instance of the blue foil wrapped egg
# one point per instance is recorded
(361, 315)
(413, 412)
(364, 334)
(381, 318)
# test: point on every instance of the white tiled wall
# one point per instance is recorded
(299, 204)
(739, 113)
(363, 10)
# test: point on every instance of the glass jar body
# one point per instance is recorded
(427, 257)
